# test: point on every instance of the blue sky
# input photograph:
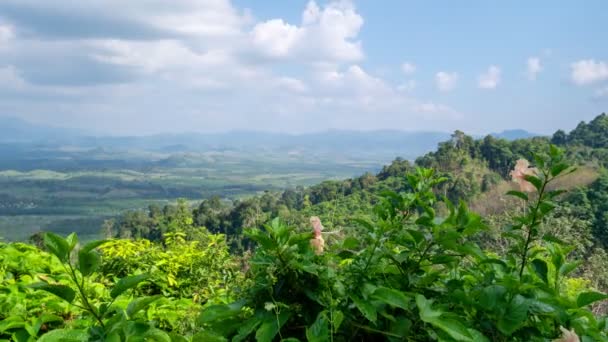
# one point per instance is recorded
(154, 66)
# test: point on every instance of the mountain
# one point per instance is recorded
(514, 134)
(14, 130)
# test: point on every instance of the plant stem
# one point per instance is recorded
(83, 296)
(533, 223)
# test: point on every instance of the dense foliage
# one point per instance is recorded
(401, 257)
(411, 269)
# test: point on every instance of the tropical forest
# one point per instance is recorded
(482, 239)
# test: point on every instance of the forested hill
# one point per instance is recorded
(477, 172)
(482, 240)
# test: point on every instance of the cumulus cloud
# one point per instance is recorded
(588, 71)
(534, 67)
(198, 65)
(490, 79)
(327, 34)
(446, 81)
(408, 68)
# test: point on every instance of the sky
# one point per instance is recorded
(153, 66)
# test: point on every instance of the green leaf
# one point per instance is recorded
(546, 206)
(139, 304)
(57, 245)
(587, 298)
(537, 182)
(540, 268)
(247, 328)
(127, 283)
(88, 262)
(392, 297)
(425, 310)
(271, 326)
(568, 267)
(65, 335)
(366, 308)
(452, 327)
(491, 296)
(554, 239)
(515, 315)
(155, 334)
(72, 240)
(319, 330)
(219, 312)
(558, 169)
(518, 194)
(92, 245)
(62, 291)
(43, 319)
(208, 336)
(337, 319)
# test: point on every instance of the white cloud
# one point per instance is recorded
(490, 79)
(327, 34)
(534, 67)
(589, 71)
(446, 81)
(209, 65)
(408, 68)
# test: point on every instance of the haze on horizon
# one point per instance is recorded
(151, 66)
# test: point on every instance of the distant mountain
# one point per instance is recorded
(514, 134)
(381, 144)
(13, 130)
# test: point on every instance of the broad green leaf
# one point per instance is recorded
(491, 296)
(515, 315)
(425, 310)
(392, 297)
(247, 328)
(72, 240)
(65, 335)
(139, 304)
(43, 319)
(157, 335)
(337, 319)
(271, 326)
(454, 328)
(518, 194)
(177, 338)
(568, 267)
(319, 330)
(88, 262)
(127, 283)
(537, 182)
(57, 245)
(92, 245)
(208, 336)
(401, 326)
(62, 291)
(366, 308)
(219, 312)
(540, 268)
(558, 169)
(587, 298)
(12, 322)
